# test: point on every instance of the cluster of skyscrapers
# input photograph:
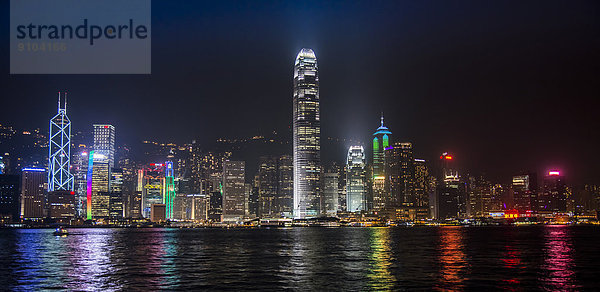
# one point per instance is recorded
(187, 183)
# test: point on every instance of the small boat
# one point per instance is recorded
(61, 231)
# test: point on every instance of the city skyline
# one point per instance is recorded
(300, 145)
(471, 88)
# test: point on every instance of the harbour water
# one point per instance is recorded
(552, 258)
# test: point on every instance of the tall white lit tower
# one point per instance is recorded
(59, 150)
(307, 135)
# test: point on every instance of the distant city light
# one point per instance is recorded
(33, 169)
(554, 172)
(446, 156)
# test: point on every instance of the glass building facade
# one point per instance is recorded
(307, 135)
(356, 183)
(104, 142)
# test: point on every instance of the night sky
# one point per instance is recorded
(504, 85)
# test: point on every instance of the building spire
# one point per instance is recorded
(59, 101)
(382, 118)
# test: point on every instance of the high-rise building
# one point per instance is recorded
(104, 142)
(10, 206)
(356, 182)
(275, 186)
(59, 151)
(248, 197)
(134, 204)
(158, 213)
(553, 197)
(99, 186)
(285, 189)
(199, 206)
(169, 188)
(400, 172)
(481, 200)
(524, 192)
(33, 193)
(381, 141)
(267, 187)
(450, 194)
(233, 190)
(307, 135)
(342, 192)
(330, 193)
(116, 204)
(61, 205)
(215, 211)
(79, 170)
(420, 187)
(151, 182)
(181, 207)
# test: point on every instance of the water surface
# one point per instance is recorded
(552, 258)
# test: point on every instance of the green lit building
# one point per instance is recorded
(381, 141)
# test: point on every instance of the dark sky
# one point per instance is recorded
(504, 85)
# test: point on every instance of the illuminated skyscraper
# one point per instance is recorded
(10, 206)
(99, 186)
(275, 186)
(400, 171)
(420, 183)
(450, 194)
(79, 170)
(381, 141)
(33, 190)
(151, 183)
(169, 188)
(307, 135)
(285, 189)
(329, 194)
(104, 142)
(356, 183)
(267, 187)
(59, 151)
(116, 201)
(553, 197)
(524, 192)
(234, 190)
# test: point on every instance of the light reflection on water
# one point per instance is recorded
(381, 259)
(511, 260)
(88, 254)
(558, 266)
(452, 258)
(347, 259)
